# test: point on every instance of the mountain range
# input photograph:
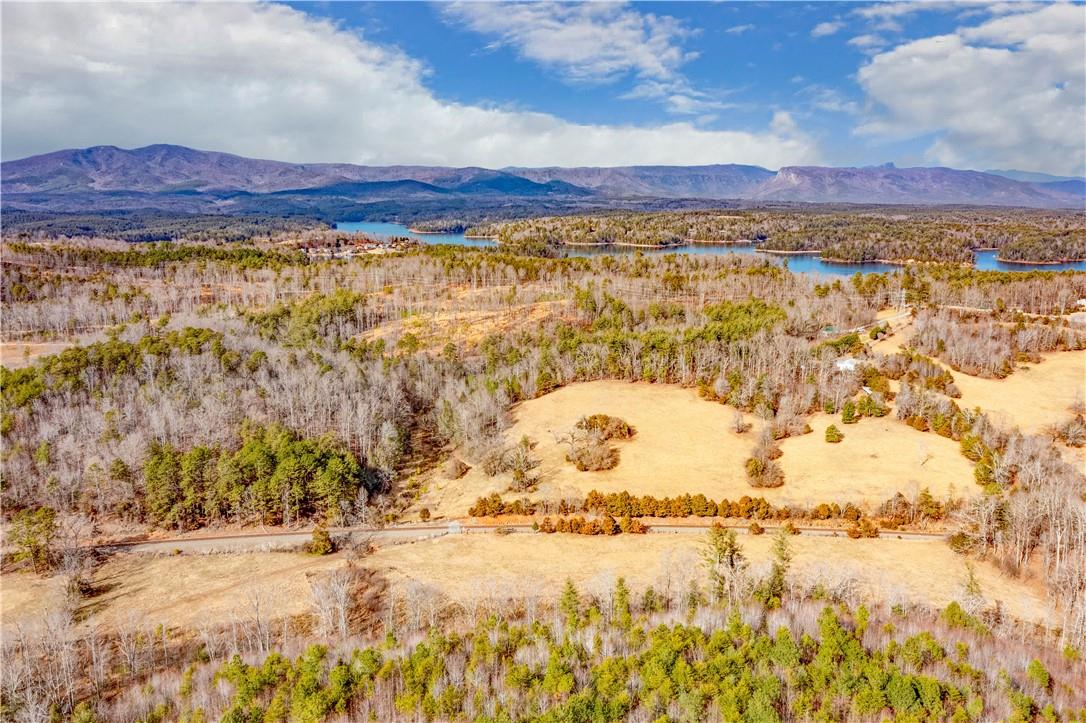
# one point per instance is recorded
(176, 177)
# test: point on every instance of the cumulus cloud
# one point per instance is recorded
(827, 28)
(868, 40)
(1008, 93)
(586, 42)
(271, 81)
(597, 43)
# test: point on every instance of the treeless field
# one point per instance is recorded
(24, 594)
(471, 566)
(1034, 396)
(16, 354)
(684, 445)
(877, 458)
(185, 591)
(468, 326)
(176, 590)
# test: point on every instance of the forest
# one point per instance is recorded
(210, 385)
(941, 235)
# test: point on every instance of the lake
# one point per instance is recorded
(800, 263)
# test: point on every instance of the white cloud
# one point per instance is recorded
(889, 16)
(886, 15)
(869, 40)
(270, 81)
(597, 43)
(1008, 93)
(827, 28)
(829, 99)
(677, 96)
(586, 42)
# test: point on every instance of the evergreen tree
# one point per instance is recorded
(570, 605)
(723, 557)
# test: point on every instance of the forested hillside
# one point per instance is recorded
(166, 388)
(945, 236)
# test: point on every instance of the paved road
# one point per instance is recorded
(411, 533)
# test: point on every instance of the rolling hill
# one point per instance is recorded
(175, 177)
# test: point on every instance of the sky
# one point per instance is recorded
(967, 85)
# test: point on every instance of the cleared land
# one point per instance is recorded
(188, 590)
(176, 590)
(877, 458)
(16, 354)
(684, 444)
(472, 566)
(468, 326)
(1034, 396)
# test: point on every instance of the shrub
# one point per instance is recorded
(592, 454)
(833, 434)
(606, 426)
(848, 413)
(424, 514)
(756, 529)
(763, 473)
(321, 544)
(863, 528)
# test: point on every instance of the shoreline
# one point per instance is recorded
(659, 247)
(779, 252)
(1040, 263)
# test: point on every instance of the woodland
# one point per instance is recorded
(208, 385)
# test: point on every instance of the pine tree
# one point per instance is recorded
(724, 558)
(772, 591)
(623, 616)
(570, 605)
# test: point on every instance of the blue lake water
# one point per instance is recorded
(800, 263)
(987, 261)
(395, 229)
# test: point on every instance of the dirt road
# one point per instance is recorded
(258, 542)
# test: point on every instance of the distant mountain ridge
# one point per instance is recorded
(168, 176)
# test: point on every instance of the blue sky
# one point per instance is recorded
(775, 83)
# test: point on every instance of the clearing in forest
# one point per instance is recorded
(878, 457)
(1034, 396)
(17, 354)
(186, 591)
(474, 567)
(685, 444)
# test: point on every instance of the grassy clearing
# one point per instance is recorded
(185, 591)
(1035, 396)
(468, 567)
(18, 354)
(683, 444)
(878, 457)
(686, 445)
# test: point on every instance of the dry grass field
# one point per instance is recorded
(175, 590)
(17, 354)
(468, 567)
(684, 445)
(185, 591)
(1034, 396)
(468, 326)
(877, 458)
